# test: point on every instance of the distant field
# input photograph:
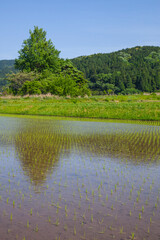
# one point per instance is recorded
(131, 107)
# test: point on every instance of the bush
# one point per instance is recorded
(33, 87)
(54, 84)
(131, 91)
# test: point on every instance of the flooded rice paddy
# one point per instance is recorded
(63, 179)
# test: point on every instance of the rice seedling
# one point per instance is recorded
(121, 230)
(84, 216)
(57, 222)
(27, 224)
(11, 217)
(74, 214)
(77, 168)
(150, 220)
(36, 228)
(132, 236)
(92, 218)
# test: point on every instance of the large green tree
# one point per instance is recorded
(37, 54)
(42, 71)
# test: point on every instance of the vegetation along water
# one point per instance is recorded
(129, 107)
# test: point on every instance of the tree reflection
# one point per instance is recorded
(41, 144)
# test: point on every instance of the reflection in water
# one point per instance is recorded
(87, 180)
(39, 152)
(40, 145)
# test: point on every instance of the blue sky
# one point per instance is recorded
(80, 27)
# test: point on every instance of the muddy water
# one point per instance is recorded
(63, 179)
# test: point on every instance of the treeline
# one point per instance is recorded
(127, 71)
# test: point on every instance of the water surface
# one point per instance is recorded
(64, 179)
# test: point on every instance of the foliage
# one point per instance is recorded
(17, 80)
(128, 91)
(132, 68)
(42, 71)
(6, 66)
(56, 84)
(37, 54)
(68, 81)
(118, 72)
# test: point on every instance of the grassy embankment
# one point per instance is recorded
(135, 107)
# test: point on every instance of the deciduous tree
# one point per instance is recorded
(37, 54)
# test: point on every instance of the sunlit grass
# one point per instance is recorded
(135, 107)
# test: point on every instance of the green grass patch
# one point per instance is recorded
(133, 107)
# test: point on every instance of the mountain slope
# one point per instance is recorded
(126, 71)
(6, 66)
(122, 71)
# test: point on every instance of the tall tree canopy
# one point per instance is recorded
(42, 71)
(37, 54)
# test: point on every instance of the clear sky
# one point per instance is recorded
(80, 27)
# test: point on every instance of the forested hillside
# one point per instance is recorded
(123, 71)
(127, 71)
(6, 66)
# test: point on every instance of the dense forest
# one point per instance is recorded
(127, 71)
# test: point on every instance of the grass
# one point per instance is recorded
(131, 107)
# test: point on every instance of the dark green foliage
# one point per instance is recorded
(126, 71)
(66, 82)
(6, 66)
(56, 84)
(132, 68)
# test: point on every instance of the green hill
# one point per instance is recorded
(124, 71)
(6, 66)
